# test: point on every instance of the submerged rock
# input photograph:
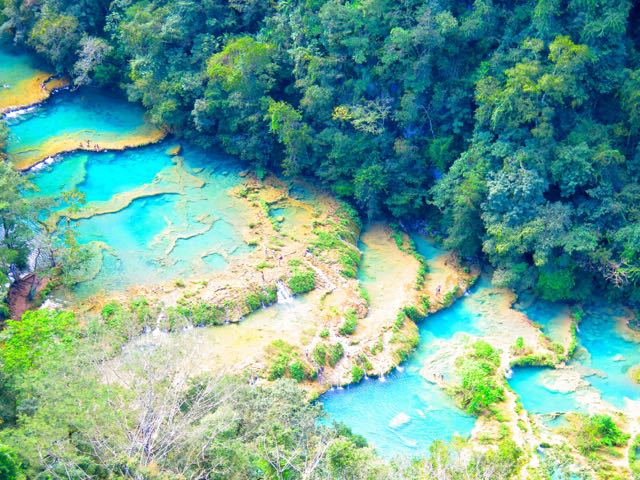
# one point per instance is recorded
(174, 150)
(399, 420)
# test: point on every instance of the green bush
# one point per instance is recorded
(336, 352)
(350, 322)
(634, 457)
(253, 301)
(278, 368)
(301, 281)
(450, 297)
(413, 313)
(202, 314)
(478, 388)
(296, 371)
(597, 431)
(266, 296)
(319, 354)
(9, 464)
(356, 374)
(39, 334)
(545, 360)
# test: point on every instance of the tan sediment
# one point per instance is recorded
(30, 91)
(31, 155)
(115, 204)
(171, 180)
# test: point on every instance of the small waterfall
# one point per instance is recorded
(283, 293)
(382, 379)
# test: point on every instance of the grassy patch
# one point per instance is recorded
(285, 361)
(478, 388)
(301, 279)
(350, 322)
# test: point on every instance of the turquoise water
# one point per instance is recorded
(178, 220)
(378, 409)
(608, 353)
(370, 407)
(191, 231)
(71, 117)
(536, 397)
(101, 176)
(294, 216)
(603, 358)
(16, 66)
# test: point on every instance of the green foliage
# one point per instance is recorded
(450, 297)
(9, 464)
(301, 280)
(40, 333)
(594, 432)
(285, 361)
(527, 154)
(201, 313)
(336, 352)
(319, 354)
(413, 313)
(17, 215)
(478, 388)
(532, 360)
(350, 323)
(262, 297)
(357, 373)
(634, 457)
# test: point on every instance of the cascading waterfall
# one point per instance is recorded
(283, 293)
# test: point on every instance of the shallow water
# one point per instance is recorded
(602, 360)
(71, 119)
(404, 413)
(20, 78)
(551, 318)
(192, 230)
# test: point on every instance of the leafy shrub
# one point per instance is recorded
(202, 314)
(478, 388)
(450, 297)
(278, 368)
(336, 352)
(266, 296)
(357, 374)
(301, 281)
(412, 312)
(38, 334)
(350, 322)
(296, 371)
(533, 361)
(399, 322)
(285, 361)
(597, 431)
(319, 354)
(9, 464)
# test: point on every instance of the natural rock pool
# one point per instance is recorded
(159, 217)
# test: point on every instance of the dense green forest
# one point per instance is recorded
(510, 127)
